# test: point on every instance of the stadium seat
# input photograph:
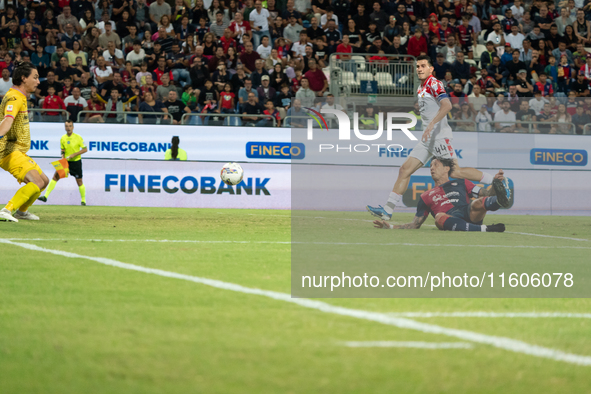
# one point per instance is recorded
(501, 17)
(364, 76)
(384, 80)
(360, 60)
(482, 37)
(50, 49)
(348, 78)
(471, 62)
(480, 49)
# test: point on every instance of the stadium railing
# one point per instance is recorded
(534, 127)
(587, 129)
(213, 119)
(288, 119)
(352, 74)
(129, 117)
(40, 115)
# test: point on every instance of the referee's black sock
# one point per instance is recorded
(457, 224)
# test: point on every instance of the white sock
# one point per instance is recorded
(483, 228)
(487, 178)
(393, 200)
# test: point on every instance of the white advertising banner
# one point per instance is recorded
(276, 145)
(166, 184)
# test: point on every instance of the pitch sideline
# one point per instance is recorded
(383, 318)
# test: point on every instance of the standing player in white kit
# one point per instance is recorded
(436, 140)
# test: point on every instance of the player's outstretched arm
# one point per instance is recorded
(416, 224)
(5, 125)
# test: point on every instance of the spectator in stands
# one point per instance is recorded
(296, 116)
(460, 69)
(63, 71)
(102, 72)
(150, 105)
(177, 63)
(580, 86)
(497, 36)
(52, 101)
(525, 114)
(316, 78)
(273, 114)
(283, 99)
(198, 73)
(43, 89)
(113, 57)
(161, 70)
(441, 66)
(258, 73)
(524, 88)
(505, 119)
(227, 100)
(314, 31)
(158, 9)
(391, 30)
(165, 88)
(251, 107)
(580, 119)
(90, 41)
(109, 35)
(75, 104)
(417, 44)
(515, 38)
(66, 17)
(240, 28)
(116, 83)
(259, 22)
(220, 77)
(85, 86)
(305, 94)
(379, 17)
(219, 26)
(526, 52)
(450, 50)
(136, 57)
(249, 57)
(175, 107)
(486, 82)
(265, 91)
(5, 82)
(498, 71)
(244, 92)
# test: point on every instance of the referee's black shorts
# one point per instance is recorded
(76, 169)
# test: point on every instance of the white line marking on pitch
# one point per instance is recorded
(411, 344)
(301, 243)
(513, 345)
(533, 315)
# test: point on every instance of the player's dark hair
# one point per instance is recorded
(21, 71)
(69, 121)
(427, 58)
(446, 163)
(174, 149)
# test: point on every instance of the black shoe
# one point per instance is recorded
(495, 228)
(42, 198)
(502, 192)
(83, 204)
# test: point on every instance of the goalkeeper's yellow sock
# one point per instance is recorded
(31, 201)
(50, 188)
(82, 193)
(22, 196)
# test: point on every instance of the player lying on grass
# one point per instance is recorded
(449, 202)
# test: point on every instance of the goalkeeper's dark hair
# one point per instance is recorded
(21, 71)
(174, 149)
(446, 163)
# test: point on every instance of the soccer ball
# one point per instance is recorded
(232, 173)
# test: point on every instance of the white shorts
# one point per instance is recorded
(424, 151)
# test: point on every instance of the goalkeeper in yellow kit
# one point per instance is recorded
(15, 141)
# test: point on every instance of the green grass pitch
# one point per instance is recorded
(72, 325)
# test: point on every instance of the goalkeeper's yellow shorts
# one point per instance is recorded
(19, 165)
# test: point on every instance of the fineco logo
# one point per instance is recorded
(345, 130)
(558, 157)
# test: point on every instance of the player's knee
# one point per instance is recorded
(405, 170)
(440, 218)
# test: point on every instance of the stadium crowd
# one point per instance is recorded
(253, 57)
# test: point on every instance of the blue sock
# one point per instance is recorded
(491, 204)
(457, 224)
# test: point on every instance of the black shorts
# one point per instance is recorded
(76, 169)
